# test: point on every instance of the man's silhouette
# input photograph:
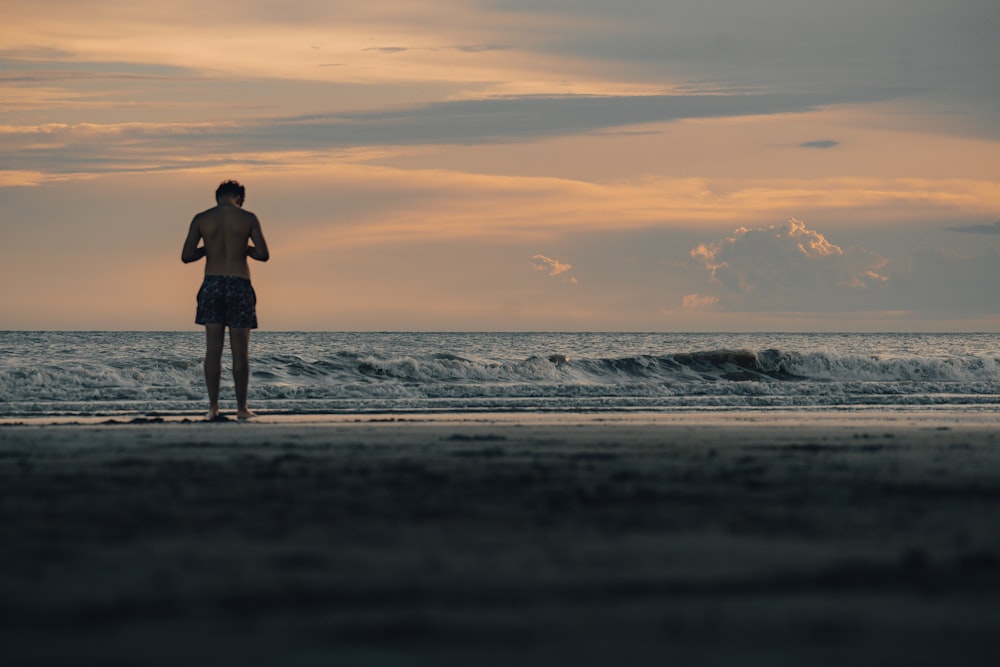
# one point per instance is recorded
(226, 297)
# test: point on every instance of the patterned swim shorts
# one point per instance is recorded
(228, 300)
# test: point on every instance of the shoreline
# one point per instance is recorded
(787, 539)
(982, 415)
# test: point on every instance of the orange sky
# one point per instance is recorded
(408, 162)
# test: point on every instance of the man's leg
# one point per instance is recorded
(239, 342)
(215, 337)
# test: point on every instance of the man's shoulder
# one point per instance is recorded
(220, 212)
(223, 210)
(207, 213)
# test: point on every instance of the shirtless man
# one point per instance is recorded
(226, 297)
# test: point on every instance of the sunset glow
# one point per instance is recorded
(474, 165)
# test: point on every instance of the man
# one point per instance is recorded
(226, 297)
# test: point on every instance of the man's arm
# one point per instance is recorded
(258, 250)
(191, 251)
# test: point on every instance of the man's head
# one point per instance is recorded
(230, 189)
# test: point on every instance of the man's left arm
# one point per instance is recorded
(191, 251)
(259, 249)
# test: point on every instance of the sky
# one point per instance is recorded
(508, 165)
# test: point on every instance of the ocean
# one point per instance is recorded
(112, 374)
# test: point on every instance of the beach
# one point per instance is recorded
(776, 538)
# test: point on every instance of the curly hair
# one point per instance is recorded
(231, 188)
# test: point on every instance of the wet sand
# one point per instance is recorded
(722, 539)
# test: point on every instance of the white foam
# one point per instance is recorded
(91, 374)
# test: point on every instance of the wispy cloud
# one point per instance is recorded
(480, 48)
(387, 49)
(978, 229)
(509, 119)
(823, 143)
(463, 48)
(518, 117)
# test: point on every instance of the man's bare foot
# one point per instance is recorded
(216, 416)
(245, 413)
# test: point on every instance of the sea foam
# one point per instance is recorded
(57, 373)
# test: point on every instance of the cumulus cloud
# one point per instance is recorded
(698, 302)
(785, 267)
(553, 267)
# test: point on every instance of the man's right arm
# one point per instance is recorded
(191, 251)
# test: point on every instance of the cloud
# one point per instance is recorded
(824, 143)
(699, 302)
(464, 48)
(978, 229)
(927, 45)
(479, 48)
(34, 53)
(553, 267)
(524, 116)
(786, 267)
(387, 49)
(460, 122)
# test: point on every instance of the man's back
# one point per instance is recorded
(226, 231)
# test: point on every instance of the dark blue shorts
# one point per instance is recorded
(228, 300)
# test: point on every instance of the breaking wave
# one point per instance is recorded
(316, 380)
